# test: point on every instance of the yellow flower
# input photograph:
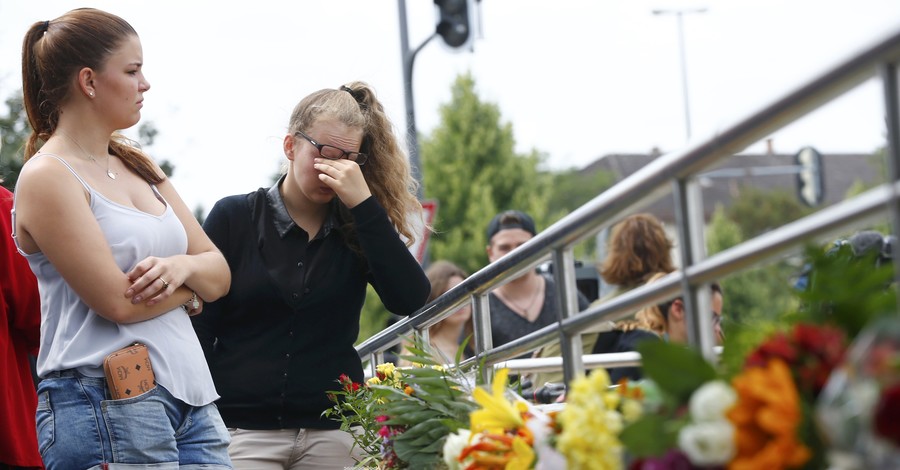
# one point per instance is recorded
(496, 451)
(373, 381)
(631, 410)
(389, 373)
(590, 427)
(387, 369)
(497, 414)
(522, 455)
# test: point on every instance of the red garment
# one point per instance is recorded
(20, 331)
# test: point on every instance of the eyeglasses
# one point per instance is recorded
(333, 153)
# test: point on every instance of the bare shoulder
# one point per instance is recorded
(45, 180)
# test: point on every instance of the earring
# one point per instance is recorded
(91, 94)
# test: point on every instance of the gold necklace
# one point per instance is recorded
(111, 174)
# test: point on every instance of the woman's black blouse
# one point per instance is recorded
(286, 330)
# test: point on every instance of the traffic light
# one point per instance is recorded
(810, 181)
(453, 22)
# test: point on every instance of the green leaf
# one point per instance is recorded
(676, 369)
(428, 438)
(437, 446)
(420, 429)
(419, 359)
(647, 437)
(412, 418)
(416, 372)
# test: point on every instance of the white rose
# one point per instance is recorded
(711, 401)
(708, 443)
(454, 446)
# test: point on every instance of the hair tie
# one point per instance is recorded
(355, 96)
(45, 26)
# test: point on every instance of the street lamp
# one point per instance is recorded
(679, 13)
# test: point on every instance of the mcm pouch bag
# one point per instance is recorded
(128, 372)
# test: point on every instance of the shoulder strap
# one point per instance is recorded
(12, 211)
(56, 157)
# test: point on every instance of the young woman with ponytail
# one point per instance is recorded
(301, 254)
(118, 256)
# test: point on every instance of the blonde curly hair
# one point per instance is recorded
(649, 318)
(387, 171)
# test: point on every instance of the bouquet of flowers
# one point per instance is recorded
(760, 417)
(405, 414)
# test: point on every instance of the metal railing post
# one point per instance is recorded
(567, 307)
(889, 78)
(697, 306)
(481, 318)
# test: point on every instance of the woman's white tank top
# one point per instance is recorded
(74, 337)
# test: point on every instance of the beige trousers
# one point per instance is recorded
(292, 449)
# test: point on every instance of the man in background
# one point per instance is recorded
(527, 303)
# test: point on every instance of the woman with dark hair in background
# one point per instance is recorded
(447, 335)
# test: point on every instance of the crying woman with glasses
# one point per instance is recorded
(302, 254)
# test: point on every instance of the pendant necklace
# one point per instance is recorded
(527, 309)
(111, 174)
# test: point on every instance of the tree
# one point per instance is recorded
(470, 167)
(572, 189)
(757, 212)
(764, 291)
(14, 130)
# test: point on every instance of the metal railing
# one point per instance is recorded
(675, 172)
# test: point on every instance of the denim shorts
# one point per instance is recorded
(79, 427)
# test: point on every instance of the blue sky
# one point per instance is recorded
(577, 79)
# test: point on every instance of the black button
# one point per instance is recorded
(287, 356)
(295, 296)
(300, 264)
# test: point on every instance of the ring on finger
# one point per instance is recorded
(165, 284)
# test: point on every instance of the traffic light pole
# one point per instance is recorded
(408, 57)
